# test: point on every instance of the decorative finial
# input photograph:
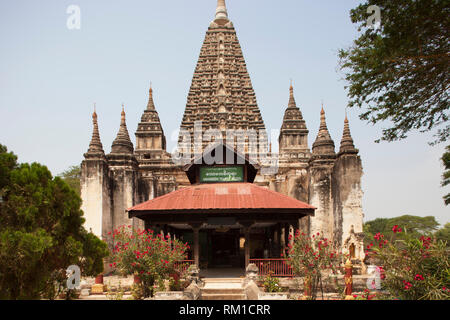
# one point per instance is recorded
(291, 103)
(151, 89)
(123, 112)
(94, 115)
(221, 13)
(322, 111)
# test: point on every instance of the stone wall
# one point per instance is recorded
(96, 194)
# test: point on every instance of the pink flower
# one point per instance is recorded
(418, 277)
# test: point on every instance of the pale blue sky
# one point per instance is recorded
(51, 76)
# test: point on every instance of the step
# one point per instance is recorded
(221, 280)
(223, 285)
(222, 290)
(221, 296)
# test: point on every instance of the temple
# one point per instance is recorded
(230, 211)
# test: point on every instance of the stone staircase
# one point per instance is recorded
(223, 289)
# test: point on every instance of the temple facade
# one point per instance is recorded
(221, 101)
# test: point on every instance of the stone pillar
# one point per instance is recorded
(291, 235)
(283, 239)
(196, 229)
(247, 225)
(247, 246)
(196, 246)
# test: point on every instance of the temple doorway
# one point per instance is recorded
(225, 251)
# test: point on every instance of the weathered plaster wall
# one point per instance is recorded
(95, 193)
(347, 196)
(321, 198)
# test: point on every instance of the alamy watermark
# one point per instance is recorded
(374, 281)
(74, 18)
(374, 21)
(73, 277)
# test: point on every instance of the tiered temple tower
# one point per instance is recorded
(221, 96)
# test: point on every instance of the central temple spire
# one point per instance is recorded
(221, 95)
(221, 13)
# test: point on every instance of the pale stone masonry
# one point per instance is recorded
(222, 97)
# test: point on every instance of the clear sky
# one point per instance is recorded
(50, 77)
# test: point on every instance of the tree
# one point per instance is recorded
(446, 175)
(443, 234)
(400, 71)
(413, 225)
(41, 232)
(414, 268)
(72, 177)
(416, 226)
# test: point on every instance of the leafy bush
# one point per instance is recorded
(309, 257)
(271, 284)
(415, 268)
(150, 257)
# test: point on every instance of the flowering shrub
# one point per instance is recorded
(413, 268)
(309, 257)
(366, 295)
(151, 257)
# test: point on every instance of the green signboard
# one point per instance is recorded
(221, 174)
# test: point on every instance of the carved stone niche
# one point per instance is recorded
(353, 244)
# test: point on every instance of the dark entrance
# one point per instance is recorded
(225, 249)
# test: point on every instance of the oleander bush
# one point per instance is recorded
(312, 258)
(414, 268)
(151, 257)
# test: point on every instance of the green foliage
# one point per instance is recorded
(41, 232)
(413, 225)
(414, 268)
(8, 161)
(443, 234)
(310, 257)
(149, 256)
(271, 284)
(175, 284)
(116, 294)
(400, 72)
(72, 177)
(446, 175)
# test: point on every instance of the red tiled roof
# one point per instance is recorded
(221, 196)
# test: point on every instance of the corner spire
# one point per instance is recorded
(151, 104)
(95, 147)
(291, 103)
(347, 145)
(122, 143)
(221, 13)
(323, 144)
